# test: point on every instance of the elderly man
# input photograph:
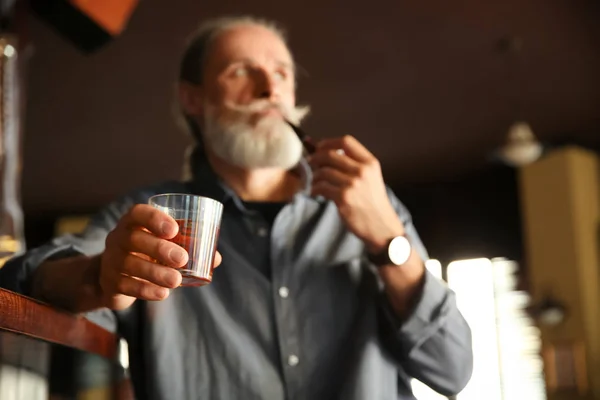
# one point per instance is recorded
(322, 291)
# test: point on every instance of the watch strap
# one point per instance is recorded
(381, 258)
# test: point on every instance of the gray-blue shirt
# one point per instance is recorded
(312, 323)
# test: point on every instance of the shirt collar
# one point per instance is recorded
(205, 182)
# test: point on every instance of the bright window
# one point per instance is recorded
(506, 344)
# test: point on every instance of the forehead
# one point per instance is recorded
(248, 42)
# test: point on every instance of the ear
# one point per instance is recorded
(191, 99)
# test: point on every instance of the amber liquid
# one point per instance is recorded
(187, 237)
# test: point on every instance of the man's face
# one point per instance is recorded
(248, 89)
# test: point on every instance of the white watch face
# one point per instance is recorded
(399, 250)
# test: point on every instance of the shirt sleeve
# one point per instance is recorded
(434, 343)
(17, 273)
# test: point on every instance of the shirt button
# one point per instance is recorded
(293, 360)
(262, 232)
(284, 292)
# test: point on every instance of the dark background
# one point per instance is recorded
(424, 85)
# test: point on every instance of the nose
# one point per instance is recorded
(266, 86)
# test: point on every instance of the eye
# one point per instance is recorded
(240, 71)
(280, 75)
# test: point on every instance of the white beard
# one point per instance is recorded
(269, 143)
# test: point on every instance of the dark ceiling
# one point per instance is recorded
(422, 84)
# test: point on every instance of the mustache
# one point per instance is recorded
(294, 114)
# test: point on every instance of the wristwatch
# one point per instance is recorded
(397, 252)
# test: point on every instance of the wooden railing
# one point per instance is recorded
(39, 343)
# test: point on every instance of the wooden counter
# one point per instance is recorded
(65, 355)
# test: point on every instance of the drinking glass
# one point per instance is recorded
(199, 220)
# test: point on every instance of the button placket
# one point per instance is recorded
(284, 305)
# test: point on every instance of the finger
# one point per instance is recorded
(333, 176)
(327, 190)
(332, 158)
(151, 272)
(218, 260)
(351, 146)
(139, 241)
(152, 219)
(139, 289)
